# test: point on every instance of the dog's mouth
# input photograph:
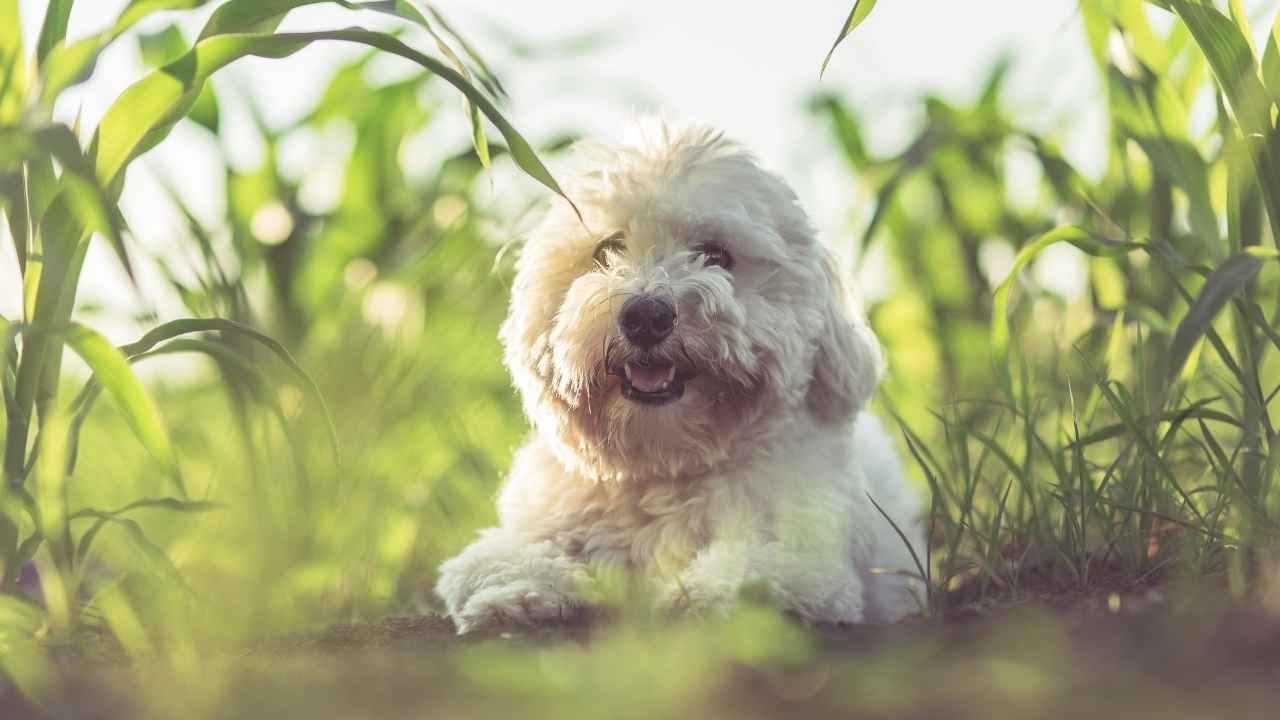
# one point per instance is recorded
(648, 377)
(653, 381)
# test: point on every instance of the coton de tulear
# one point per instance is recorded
(695, 377)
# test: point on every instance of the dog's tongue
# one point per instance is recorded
(650, 378)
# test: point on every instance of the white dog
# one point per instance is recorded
(695, 379)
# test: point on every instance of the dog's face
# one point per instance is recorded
(683, 318)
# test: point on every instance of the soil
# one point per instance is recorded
(1140, 653)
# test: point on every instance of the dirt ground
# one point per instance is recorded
(1135, 655)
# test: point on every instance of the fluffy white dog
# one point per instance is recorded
(695, 378)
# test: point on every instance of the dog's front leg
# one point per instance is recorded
(818, 586)
(710, 584)
(508, 577)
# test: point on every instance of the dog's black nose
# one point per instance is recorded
(647, 320)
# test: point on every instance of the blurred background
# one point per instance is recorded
(584, 69)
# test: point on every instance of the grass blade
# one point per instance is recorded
(915, 558)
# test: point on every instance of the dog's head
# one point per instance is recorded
(688, 313)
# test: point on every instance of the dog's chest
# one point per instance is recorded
(658, 527)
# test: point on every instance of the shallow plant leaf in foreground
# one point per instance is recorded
(859, 12)
(146, 112)
(112, 371)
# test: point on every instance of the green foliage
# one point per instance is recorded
(1120, 435)
(57, 197)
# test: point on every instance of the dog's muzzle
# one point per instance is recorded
(649, 376)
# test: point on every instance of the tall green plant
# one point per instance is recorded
(59, 194)
(1149, 444)
(1148, 110)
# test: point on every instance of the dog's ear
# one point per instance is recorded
(848, 362)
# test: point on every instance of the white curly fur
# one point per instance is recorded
(759, 475)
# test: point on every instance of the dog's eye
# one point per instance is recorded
(715, 255)
(608, 247)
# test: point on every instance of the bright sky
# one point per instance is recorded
(747, 67)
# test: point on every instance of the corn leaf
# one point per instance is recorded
(156, 557)
(490, 80)
(8, 366)
(847, 127)
(1271, 62)
(1097, 29)
(233, 364)
(1148, 110)
(1102, 16)
(54, 29)
(250, 16)
(1241, 20)
(1232, 60)
(8, 535)
(861, 9)
(83, 196)
(145, 113)
(1083, 240)
(912, 160)
(406, 10)
(69, 64)
(1235, 67)
(13, 202)
(50, 490)
(163, 47)
(1223, 283)
(263, 16)
(13, 73)
(112, 371)
(175, 328)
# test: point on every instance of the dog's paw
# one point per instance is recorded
(705, 601)
(505, 579)
(710, 586)
(519, 604)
